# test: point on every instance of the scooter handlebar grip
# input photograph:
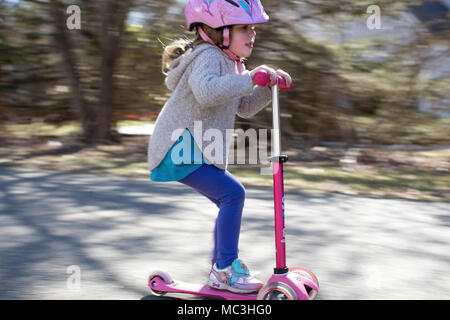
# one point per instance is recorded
(282, 83)
(261, 78)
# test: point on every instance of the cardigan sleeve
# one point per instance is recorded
(252, 104)
(209, 87)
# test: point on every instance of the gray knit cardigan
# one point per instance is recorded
(207, 89)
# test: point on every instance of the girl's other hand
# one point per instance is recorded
(272, 73)
(286, 77)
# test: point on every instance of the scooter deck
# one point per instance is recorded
(200, 290)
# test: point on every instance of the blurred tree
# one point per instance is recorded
(26, 67)
(109, 16)
(90, 58)
(344, 74)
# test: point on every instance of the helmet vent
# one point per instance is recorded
(233, 3)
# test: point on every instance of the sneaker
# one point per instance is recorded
(235, 278)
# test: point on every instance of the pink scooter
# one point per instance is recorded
(295, 283)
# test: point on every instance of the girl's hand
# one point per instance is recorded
(286, 77)
(271, 72)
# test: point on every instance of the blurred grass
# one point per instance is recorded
(67, 128)
(40, 128)
(388, 182)
(417, 129)
(421, 174)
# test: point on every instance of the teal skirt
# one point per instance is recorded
(183, 158)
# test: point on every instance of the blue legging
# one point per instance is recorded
(228, 194)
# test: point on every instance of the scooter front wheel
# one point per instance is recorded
(310, 275)
(276, 291)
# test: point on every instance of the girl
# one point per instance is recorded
(210, 86)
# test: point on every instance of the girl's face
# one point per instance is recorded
(242, 39)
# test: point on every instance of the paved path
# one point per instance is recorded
(113, 231)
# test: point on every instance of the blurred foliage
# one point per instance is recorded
(351, 84)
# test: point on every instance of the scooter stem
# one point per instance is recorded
(278, 186)
(276, 140)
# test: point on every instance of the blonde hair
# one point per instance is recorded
(181, 46)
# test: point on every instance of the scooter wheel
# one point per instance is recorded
(158, 275)
(307, 274)
(276, 291)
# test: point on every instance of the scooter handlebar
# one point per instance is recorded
(262, 79)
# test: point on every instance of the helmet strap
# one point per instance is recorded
(225, 45)
(226, 49)
(226, 38)
(204, 35)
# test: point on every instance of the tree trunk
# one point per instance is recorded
(96, 119)
(64, 46)
(114, 13)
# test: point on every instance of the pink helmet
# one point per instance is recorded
(219, 13)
